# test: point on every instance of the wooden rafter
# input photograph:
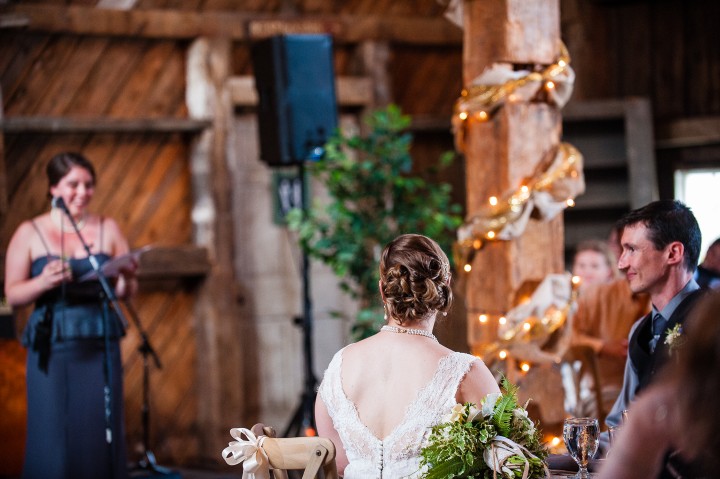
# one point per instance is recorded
(170, 24)
(27, 124)
(689, 132)
(351, 91)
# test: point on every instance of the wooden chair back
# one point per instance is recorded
(588, 365)
(310, 454)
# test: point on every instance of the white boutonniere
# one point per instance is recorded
(674, 338)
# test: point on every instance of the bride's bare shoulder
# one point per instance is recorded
(477, 383)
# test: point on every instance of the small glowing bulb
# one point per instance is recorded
(502, 320)
(524, 189)
(493, 200)
(482, 116)
(570, 202)
(550, 85)
(467, 268)
(576, 280)
(525, 367)
(491, 234)
(562, 63)
(483, 318)
(477, 244)
(463, 115)
(502, 354)
(555, 441)
(526, 326)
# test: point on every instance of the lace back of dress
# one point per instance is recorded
(398, 454)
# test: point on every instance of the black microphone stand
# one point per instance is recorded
(115, 307)
(303, 419)
(148, 461)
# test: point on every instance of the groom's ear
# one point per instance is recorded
(675, 252)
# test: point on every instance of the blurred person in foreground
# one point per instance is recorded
(74, 372)
(678, 416)
(708, 272)
(380, 396)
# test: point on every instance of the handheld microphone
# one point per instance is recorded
(58, 202)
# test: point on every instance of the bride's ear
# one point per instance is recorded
(382, 293)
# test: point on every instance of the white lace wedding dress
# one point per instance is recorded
(398, 455)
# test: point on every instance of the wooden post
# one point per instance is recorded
(507, 148)
(219, 375)
(375, 56)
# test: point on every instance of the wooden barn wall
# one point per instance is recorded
(665, 50)
(660, 49)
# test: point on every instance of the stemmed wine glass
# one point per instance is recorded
(581, 439)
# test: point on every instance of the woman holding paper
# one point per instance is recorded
(73, 364)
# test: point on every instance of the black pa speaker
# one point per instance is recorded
(297, 110)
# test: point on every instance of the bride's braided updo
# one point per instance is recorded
(414, 278)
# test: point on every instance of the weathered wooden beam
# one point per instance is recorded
(430, 123)
(116, 4)
(510, 31)
(218, 324)
(14, 20)
(640, 152)
(173, 261)
(689, 132)
(507, 148)
(594, 110)
(374, 58)
(174, 24)
(26, 124)
(351, 91)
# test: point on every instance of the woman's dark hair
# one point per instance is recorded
(60, 164)
(414, 278)
(698, 384)
(668, 221)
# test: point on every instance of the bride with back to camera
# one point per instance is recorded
(380, 396)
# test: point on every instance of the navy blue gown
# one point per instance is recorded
(67, 336)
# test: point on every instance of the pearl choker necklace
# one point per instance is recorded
(418, 332)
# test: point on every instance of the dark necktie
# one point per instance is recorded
(658, 327)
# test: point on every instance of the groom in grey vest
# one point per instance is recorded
(660, 250)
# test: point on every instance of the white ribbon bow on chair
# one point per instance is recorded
(256, 464)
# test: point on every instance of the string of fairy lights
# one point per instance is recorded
(522, 332)
(549, 190)
(500, 84)
(505, 218)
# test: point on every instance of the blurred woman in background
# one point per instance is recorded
(74, 369)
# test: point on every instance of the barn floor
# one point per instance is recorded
(190, 474)
(173, 474)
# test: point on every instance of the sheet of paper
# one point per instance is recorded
(113, 267)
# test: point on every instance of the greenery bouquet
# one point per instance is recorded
(497, 440)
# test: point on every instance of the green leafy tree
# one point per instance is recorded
(373, 197)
